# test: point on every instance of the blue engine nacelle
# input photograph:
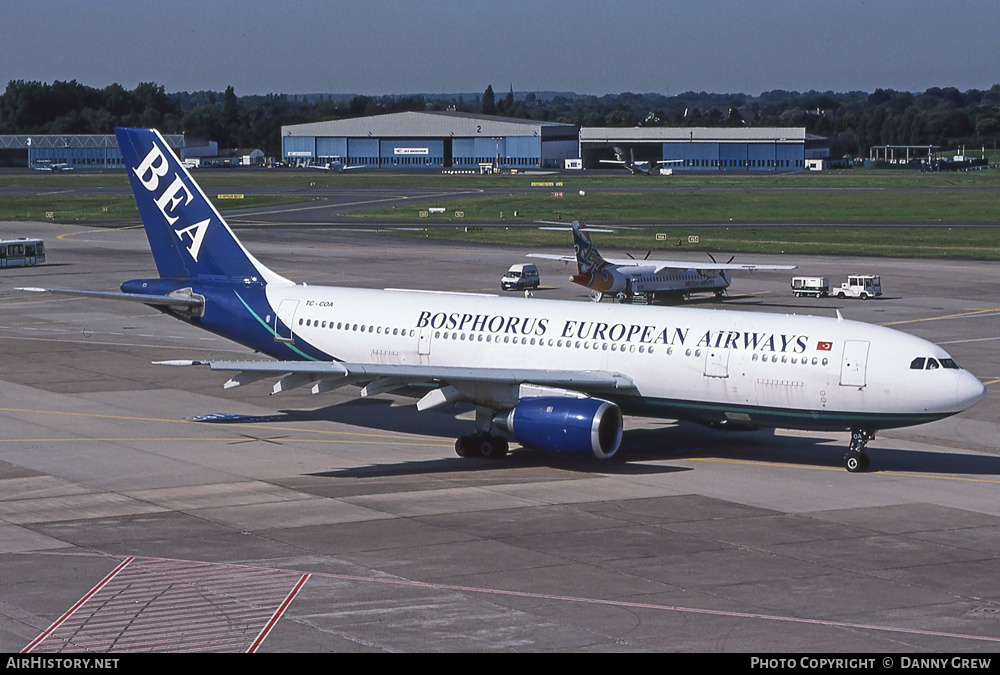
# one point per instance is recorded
(565, 426)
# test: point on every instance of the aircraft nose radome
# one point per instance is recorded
(969, 391)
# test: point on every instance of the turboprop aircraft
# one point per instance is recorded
(641, 166)
(334, 165)
(646, 280)
(555, 375)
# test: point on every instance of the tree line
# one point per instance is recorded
(852, 121)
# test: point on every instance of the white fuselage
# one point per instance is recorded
(815, 367)
(647, 279)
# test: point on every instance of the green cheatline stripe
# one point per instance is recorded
(789, 413)
(268, 328)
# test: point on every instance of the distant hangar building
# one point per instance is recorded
(702, 148)
(80, 151)
(441, 140)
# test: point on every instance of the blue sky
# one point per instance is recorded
(418, 46)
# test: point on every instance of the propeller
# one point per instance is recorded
(645, 257)
(731, 258)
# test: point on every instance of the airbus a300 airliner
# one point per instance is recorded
(555, 375)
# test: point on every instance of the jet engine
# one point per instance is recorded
(565, 426)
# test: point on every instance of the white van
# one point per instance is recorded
(522, 275)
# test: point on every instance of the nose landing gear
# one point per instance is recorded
(856, 461)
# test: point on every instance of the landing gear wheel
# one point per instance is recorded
(596, 296)
(492, 447)
(620, 298)
(856, 462)
(465, 446)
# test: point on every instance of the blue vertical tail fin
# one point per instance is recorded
(587, 255)
(188, 237)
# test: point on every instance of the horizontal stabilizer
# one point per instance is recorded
(180, 301)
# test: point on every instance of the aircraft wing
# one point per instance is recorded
(661, 265)
(336, 168)
(329, 375)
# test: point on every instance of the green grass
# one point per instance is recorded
(716, 207)
(809, 213)
(100, 207)
(910, 242)
(854, 178)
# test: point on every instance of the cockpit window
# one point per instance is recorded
(925, 363)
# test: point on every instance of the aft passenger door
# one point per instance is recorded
(283, 331)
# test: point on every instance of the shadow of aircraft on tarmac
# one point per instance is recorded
(643, 450)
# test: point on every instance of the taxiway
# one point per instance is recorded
(191, 517)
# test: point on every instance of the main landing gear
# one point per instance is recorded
(856, 461)
(481, 444)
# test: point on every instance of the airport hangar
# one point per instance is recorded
(705, 148)
(464, 141)
(439, 140)
(85, 151)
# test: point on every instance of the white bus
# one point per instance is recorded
(21, 252)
